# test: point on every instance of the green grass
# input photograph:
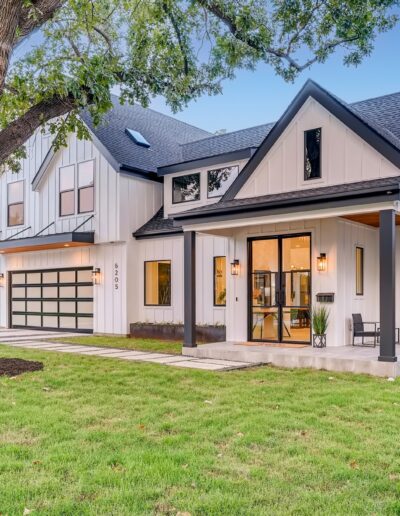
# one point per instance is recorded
(159, 346)
(103, 436)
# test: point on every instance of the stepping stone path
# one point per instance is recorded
(39, 340)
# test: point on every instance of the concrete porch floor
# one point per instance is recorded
(339, 359)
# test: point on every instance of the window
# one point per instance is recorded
(186, 188)
(219, 280)
(359, 271)
(67, 191)
(157, 283)
(85, 186)
(220, 179)
(15, 203)
(312, 154)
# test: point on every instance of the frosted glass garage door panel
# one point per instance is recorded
(50, 306)
(67, 277)
(34, 292)
(68, 292)
(34, 320)
(67, 322)
(19, 319)
(85, 276)
(67, 307)
(50, 277)
(85, 323)
(18, 279)
(50, 321)
(18, 306)
(85, 292)
(18, 292)
(33, 277)
(85, 307)
(33, 306)
(50, 292)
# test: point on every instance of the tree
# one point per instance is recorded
(179, 49)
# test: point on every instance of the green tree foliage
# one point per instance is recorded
(179, 49)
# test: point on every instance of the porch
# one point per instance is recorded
(340, 359)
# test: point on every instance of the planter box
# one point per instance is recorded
(204, 334)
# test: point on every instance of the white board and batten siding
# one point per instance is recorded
(346, 158)
(171, 248)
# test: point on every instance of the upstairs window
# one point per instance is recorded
(15, 203)
(186, 188)
(157, 283)
(67, 191)
(219, 280)
(86, 186)
(312, 154)
(220, 179)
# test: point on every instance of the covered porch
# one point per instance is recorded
(376, 210)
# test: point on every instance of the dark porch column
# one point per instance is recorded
(189, 284)
(387, 289)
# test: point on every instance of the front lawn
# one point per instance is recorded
(102, 436)
(158, 346)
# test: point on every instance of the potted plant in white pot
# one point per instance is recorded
(320, 320)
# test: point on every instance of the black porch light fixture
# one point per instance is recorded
(235, 267)
(96, 276)
(322, 262)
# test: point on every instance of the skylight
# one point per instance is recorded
(137, 137)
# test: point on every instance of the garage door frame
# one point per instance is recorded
(57, 299)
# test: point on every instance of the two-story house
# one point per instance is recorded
(156, 220)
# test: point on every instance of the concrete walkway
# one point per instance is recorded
(39, 340)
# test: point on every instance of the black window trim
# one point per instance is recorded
(360, 292)
(85, 187)
(214, 282)
(16, 204)
(214, 170)
(305, 155)
(188, 200)
(144, 282)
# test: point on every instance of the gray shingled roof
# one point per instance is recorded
(157, 225)
(164, 133)
(322, 192)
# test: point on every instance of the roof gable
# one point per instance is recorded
(378, 137)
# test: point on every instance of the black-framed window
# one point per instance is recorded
(359, 271)
(67, 190)
(86, 186)
(312, 154)
(186, 188)
(220, 179)
(15, 203)
(219, 280)
(157, 283)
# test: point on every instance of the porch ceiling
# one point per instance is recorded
(370, 219)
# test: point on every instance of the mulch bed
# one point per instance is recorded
(15, 366)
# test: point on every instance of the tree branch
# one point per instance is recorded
(34, 16)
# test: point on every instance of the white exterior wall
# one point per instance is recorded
(171, 248)
(170, 208)
(345, 156)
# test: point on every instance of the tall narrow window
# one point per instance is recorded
(186, 188)
(312, 154)
(157, 283)
(15, 203)
(359, 271)
(67, 191)
(219, 280)
(86, 186)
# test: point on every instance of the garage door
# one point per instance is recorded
(53, 299)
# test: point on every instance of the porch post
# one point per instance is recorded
(387, 288)
(189, 283)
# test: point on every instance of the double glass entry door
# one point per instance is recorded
(280, 289)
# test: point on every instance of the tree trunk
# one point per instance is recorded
(9, 15)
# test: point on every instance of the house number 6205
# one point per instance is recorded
(116, 276)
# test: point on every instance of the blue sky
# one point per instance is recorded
(258, 97)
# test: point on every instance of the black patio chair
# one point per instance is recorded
(359, 331)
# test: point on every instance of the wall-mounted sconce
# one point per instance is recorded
(235, 267)
(322, 262)
(1, 279)
(96, 276)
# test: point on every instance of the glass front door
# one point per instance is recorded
(280, 289)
